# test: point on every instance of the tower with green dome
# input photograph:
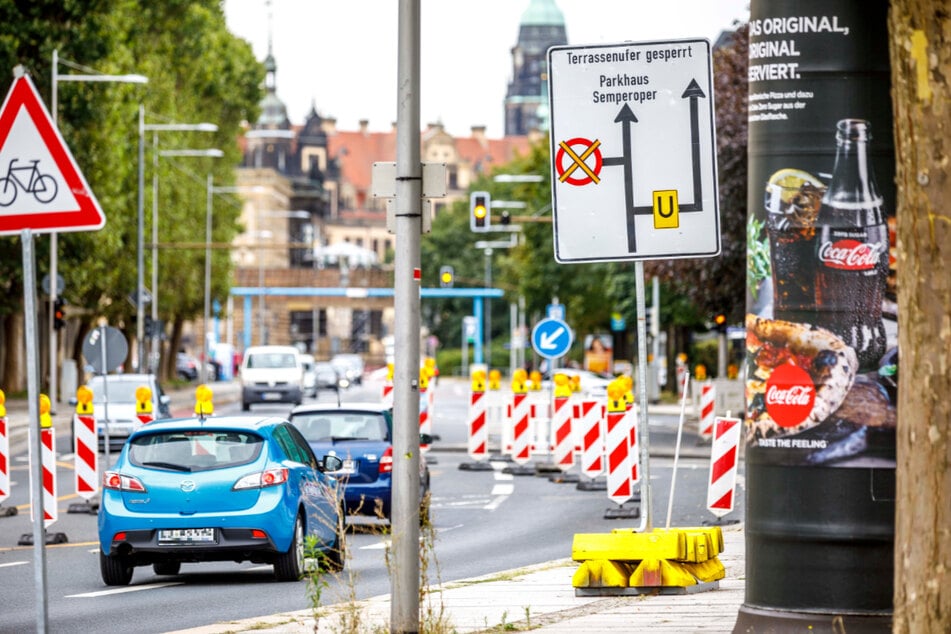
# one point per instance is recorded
(526, 100)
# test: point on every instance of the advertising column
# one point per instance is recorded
(822, 362)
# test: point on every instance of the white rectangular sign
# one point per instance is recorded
(633, 151)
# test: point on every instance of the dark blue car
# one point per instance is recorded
(361, 435)
(218, 489)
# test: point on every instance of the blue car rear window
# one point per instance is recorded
(334, 426)
(197, 450)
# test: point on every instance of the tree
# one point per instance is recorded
(921, 71)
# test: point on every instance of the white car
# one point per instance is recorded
(592, 385)
(113, 400)
(271, 374)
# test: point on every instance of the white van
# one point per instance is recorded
(271, 374)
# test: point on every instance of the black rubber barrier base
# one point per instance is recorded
(26, 539)
(765, 621)
(622, 512)
(520, 470)
(8, 511)
(475, 466)
(597, 484)
(564, 478)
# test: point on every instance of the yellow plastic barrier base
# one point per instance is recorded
(666, 561)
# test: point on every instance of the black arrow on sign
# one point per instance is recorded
(626, 117)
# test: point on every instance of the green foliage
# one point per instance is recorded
(198, 71)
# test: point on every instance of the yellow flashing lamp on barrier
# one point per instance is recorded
(203, 401)
(84, 401)
(562, 386)
(495, 379)
(46, 421)
(701, 372)
(536, 380)
(478, 381)
(423, 378)
(143, 400)
(616, 401)
(519, 379)
(3, 404)
(575, 382)
(628, 384)
(389, 371)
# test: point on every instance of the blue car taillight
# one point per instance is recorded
(120, 482)
(262, 479)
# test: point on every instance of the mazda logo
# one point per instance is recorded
(187, 486)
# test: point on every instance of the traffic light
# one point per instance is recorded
(505, 218)
(480, 207)
(59, 313)
(720, 321)
(446, 276)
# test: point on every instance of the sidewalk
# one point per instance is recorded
(537, 598)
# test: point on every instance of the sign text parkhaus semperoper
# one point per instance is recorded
(633, 150)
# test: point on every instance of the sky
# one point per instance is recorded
(341, 55)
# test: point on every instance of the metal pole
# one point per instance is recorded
(644, 439)
(54, 248)
(207, 313)
(513, 353)
(488, 308)
(404, 605)
(156, 336)
(33, 398)
(140, 251)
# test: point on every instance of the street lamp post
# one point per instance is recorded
(212, 152)
(88, 75)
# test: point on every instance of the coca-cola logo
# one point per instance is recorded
(850, 255)
(790, 395)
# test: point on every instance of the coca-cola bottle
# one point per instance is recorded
(852, 249)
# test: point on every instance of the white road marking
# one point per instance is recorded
(104, 593)
(503, 489)
(14, 563)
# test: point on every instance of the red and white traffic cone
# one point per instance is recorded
(723, 463)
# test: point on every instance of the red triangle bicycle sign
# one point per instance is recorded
(41, 187)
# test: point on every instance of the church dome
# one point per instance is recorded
(542, 13)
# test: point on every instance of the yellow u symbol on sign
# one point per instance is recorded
(666, 209)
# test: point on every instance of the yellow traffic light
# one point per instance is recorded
(480, 207)
(446, 276)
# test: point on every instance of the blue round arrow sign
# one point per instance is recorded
(552, 338)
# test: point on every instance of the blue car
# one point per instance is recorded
(361, 435)
(218, 489)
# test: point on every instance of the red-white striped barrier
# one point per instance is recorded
(708, 398)
(386, 395)
(617, 436)
(478, 438)
(590, 417)
(521, 428)
(86, 465)
(4, 450)
(563, 452)
(425, 423)
(634, 448)
(723, 462)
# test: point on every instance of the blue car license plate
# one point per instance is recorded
(186, 536)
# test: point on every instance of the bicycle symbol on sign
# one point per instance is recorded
(42, 186)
